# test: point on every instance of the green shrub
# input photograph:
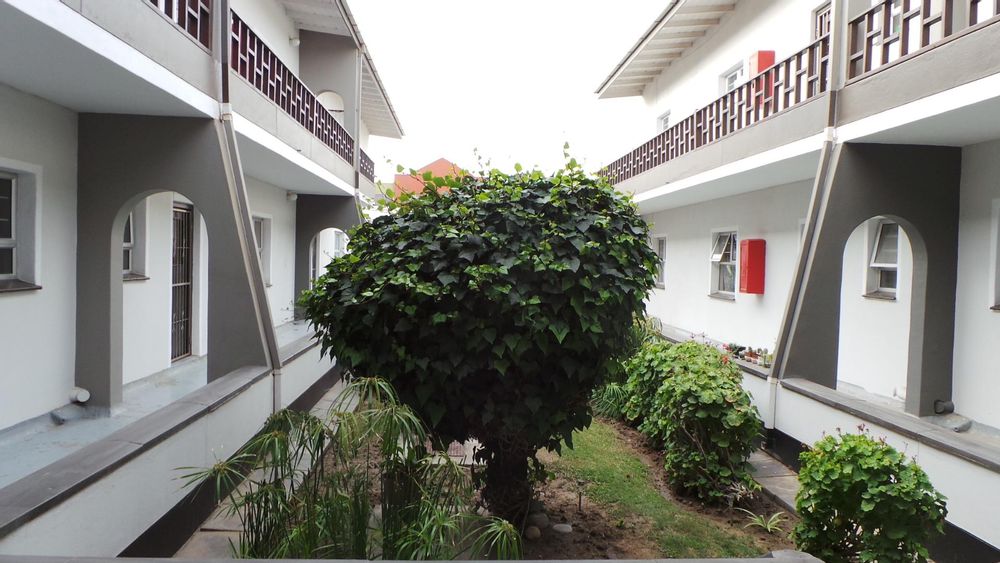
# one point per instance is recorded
(645, 373)
(861, 500)
(494, 308)
(689, 398)
(610, 399)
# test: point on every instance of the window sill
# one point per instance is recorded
(130, 277)
(723, 296)
(880, 295)
(660, 286)
(11, 286)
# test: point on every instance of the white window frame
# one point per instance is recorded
(340, 242)
(995, 257)
(661, 254)
(737, 72)
(262, 240)
(718, 263)
(876, 268)
(824, 7)
(128, 244)
(663, 122)
(11, 242)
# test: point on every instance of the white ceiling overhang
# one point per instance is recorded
(334, 17)
(677, 29)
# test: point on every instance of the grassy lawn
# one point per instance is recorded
(618, 480)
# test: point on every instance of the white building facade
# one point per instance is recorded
(172, 175)
(822, 184)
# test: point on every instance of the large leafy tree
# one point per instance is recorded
(494, 307)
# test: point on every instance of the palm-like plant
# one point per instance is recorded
(305, 487)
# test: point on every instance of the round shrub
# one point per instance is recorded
(861, 500)
(494, 308)
(705, 420)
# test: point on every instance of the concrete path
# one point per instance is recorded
(212, 540)
(777, 480)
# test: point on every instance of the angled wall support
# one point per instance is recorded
(123, 159)
(917, 186)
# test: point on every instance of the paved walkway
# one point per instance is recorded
(777, 480)
(35, 443)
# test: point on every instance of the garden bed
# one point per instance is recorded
(629, 512)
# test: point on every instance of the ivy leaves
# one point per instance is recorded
(861, 499)
(495, 304)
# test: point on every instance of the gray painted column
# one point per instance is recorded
(330, 63)
(917, 186)
(313, 213)
(123, 159)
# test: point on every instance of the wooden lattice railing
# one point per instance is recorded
(366, 165)
(193, 16)
(256, 63)
(893, 29)
(798, 78)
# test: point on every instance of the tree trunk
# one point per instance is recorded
(507, 490)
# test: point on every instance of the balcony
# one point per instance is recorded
(894, 30)
(789, 83)
(193, 16)
(366, 166)
(261, 68)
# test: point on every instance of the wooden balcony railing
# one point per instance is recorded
(256, 63)
(366, 165)
(893, 29)
(193, 16)
(792, 81)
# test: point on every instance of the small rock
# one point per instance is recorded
(532, 533)
(562, 528)
(536, 506)
(539, 520)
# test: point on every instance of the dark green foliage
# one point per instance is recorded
(690, 399)
(494, 308)
(609, 400)
(312, 485)
(645, 372)
(861, 500)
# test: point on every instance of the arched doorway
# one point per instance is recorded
(876, 293)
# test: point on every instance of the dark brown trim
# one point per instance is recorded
(880, 295)
(13, 286)
(953, 37)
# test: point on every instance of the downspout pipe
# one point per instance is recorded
(821, 187)
(244, 219)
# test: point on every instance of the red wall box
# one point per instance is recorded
(752, 253)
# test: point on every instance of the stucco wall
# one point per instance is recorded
(773, 214)
(874, 333)
(147, 303)
(269, 21)
(782, 26)
(269, 201)
(37, 337)
(973, 492)
(977, 328)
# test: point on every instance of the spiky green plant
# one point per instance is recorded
(306, 488)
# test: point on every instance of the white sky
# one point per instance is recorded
(513, 78)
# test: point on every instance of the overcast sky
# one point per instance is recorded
(513, 78)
